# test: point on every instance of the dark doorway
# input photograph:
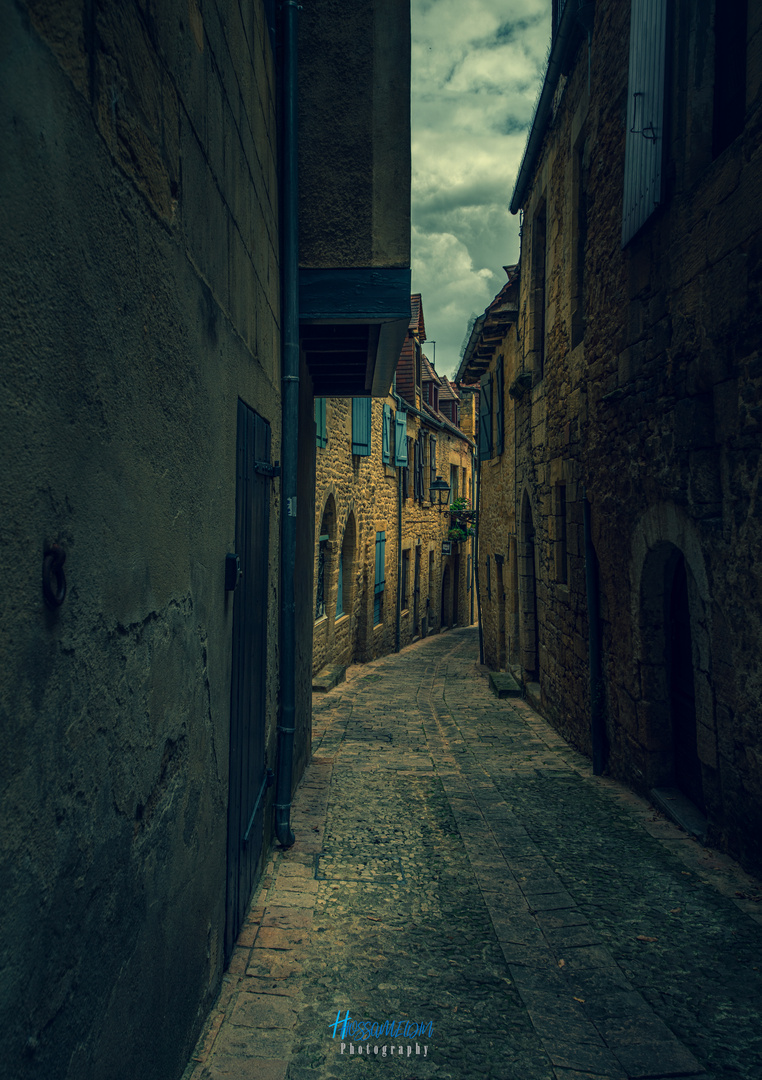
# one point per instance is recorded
(248, 678)
(501, 658)
(681, 690)
(455, 588)
(445, 612)
(529, 628)
(416, 591)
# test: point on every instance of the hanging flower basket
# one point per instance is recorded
(462, 521)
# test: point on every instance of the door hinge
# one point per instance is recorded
(266, 469)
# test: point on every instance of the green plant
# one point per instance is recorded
(461, 520)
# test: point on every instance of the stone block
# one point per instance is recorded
(328, 678)
(503, 685)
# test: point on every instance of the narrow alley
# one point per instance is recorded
(462, 878)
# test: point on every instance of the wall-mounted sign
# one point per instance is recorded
(446, 547)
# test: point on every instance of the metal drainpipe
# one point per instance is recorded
(597, 730)
(290, 430)
(476, 556)
(398, 626)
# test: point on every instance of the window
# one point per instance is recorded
(729, 73)
(400, 440)
(453, 483)
(340, 586)
(560, 545)
(321, 436)
(645, 115)
(405, 575)
(406, 485)
(387, 436)
(380, 583)
(361, 417)
(432, 460)
(485, 417)
(321, 576)
(419, 467)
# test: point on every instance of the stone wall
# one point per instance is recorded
(356, 497)
(140, 301)
(645, 399)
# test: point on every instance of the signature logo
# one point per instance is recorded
(363, 1031)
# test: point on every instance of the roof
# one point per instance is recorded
(427, 371)
(490, 329)
(416, 324)
(574, 20)
(446, 390)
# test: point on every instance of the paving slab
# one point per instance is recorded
(461, 882)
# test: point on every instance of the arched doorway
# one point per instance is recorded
(445, 612)
(529, 630)
(673, 636)
(682, 694)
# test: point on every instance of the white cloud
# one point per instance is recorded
(477, 67)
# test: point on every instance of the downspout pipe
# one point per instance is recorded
(290, 416)
(597, 727)
(476, 557)
(398, 624)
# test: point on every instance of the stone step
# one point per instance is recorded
(327, 678)
(502, 684)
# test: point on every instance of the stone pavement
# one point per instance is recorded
(459, 869)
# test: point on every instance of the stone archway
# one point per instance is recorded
(673, 639)
(664, 536)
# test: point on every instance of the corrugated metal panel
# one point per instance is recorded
(644, 147)
(361, 415)
(247, 767)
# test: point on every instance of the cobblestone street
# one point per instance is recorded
(459, 869)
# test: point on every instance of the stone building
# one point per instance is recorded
(382, 577)
(156, 645)
(622, 371)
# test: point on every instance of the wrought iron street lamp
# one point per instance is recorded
(441, 489)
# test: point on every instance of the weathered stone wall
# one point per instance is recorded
(646, 399)
(360, 496)
(140, 300)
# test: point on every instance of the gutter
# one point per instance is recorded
(572, 16)
(290, 426)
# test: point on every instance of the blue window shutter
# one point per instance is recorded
(499, 407)
(485, 417)
(400, 449)
(320, 433)
(361, 413)
(644, 147)
(433, 459)
(385, 455)
(380, 560)
(340, 587)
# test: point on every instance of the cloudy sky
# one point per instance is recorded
(477, 67)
